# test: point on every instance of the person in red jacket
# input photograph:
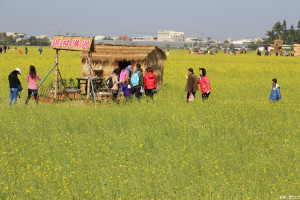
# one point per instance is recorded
(204, 83)
(150, 82)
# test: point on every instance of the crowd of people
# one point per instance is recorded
(192, 86)
(4, 48)
(131, 83)
(268, 53)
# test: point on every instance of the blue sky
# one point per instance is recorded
(215, 18)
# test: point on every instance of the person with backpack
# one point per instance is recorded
(191, 85)
(204, 84)
(137, 82)
(113, 83)
(125, 73)
(14, 85)
(32, 78)
(150, 82)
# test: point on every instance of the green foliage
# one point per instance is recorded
(9, 40)
(107, 38)
(253, 46)
(280, 31)
(236, 145)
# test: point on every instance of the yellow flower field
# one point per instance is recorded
(236, 145)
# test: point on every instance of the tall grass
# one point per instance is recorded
(236, 145)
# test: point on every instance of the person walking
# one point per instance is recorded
(275, 92)
(20, 51)
(191, 85)
(204, 83)
(26, 50)
(14, 84)
(40, 50)
(150, 83)
(137, 82)
(32, 78)
(116, 82)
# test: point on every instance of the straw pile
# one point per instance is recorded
(297, 49)
(277, 46)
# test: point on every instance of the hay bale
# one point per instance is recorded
(297, 49)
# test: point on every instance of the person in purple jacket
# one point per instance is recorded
(126, 88)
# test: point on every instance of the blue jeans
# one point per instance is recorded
(13, 95)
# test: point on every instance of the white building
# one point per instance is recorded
(145, 38)
(170, 36)
(244, 41)
(99, 37)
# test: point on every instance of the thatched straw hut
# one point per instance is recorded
(107, 57)
(297, 49)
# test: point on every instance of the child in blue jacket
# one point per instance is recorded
(275, 92)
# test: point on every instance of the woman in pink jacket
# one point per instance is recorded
(32, 78)
(204, 83)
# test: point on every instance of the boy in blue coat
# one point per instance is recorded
(275, 92)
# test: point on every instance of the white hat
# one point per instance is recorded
(18, 69)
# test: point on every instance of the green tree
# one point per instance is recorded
(107, 38)
(253, 46)
(277, 28)
(271, 35)
(32, 40)
(298, 25)
(231, 47)
(284, 25)
(292, 32)
(9, 40)
(226, 41)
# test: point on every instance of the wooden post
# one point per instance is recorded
(90, 77)
(56, 76)
(88, 87)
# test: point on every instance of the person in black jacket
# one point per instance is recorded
(13, 85)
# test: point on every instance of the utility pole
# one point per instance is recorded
(193, 40)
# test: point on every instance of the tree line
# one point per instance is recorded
(32, 40)
(280, 31)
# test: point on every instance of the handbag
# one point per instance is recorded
(20, 88)
(191, 97)
(154, 91)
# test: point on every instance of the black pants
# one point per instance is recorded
(149, 93)
(188, 95)
(115, 94)
(136, 92)
(30, 92)
(205, 96)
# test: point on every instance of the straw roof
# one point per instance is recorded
(110, 52)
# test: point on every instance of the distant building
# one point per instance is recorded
(124, 38)
(99, 37)
(145, 38)
(229, 39)
(192, 40)
(243, 41)
(43, 36)
(170, 36)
